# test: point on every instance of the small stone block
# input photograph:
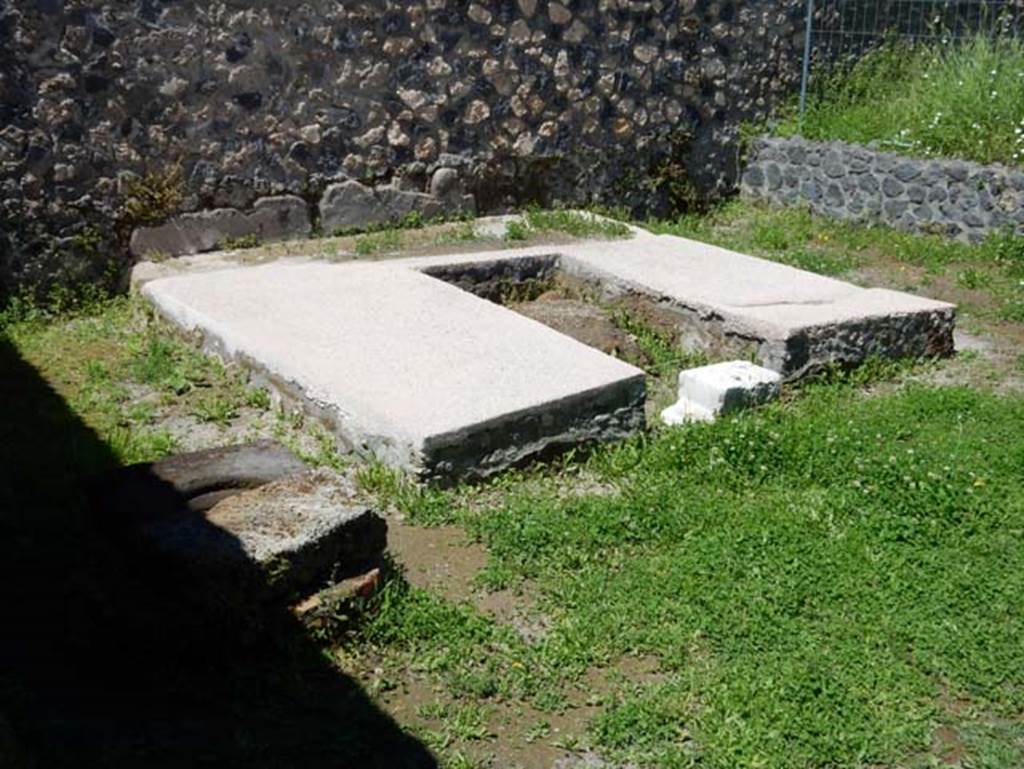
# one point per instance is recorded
(275, 541)
(708, 391)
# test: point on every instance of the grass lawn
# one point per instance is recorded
(836, 580)
(958, 100)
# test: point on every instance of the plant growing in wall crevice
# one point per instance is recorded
(154, 197)
(667, 178)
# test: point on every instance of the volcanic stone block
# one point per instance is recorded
(275, 218)
(351, 204)
(196, 481)
(273, 542)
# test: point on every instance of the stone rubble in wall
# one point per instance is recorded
(955, 198)
(343, 206)
(274, 218)
(535, 99)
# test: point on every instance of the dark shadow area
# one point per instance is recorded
(108, 659)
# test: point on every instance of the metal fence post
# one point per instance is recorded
(807, 61)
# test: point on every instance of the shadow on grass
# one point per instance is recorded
(108, 660)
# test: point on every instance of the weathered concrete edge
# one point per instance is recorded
(610, 412)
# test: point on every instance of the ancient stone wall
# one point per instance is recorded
(962, 200)
(631, 102)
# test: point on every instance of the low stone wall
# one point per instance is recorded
(343, 207)
(959, 199)
(570, 101)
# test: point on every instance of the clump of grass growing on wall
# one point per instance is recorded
(958, 100)
(242, 242)
(380, 242)
(573, 223)
(154, 197)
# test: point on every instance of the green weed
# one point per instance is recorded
(240, 243)
(164, 361)
(462, 232)
(396, 489)
(516, 230)
(972, 278)
(462, 722)
(258, 398)
(666, 357)
(384, 241)
(574, 223)
(216, 408)
(154, 197)
(130, 444)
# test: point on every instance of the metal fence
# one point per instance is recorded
(841, 30)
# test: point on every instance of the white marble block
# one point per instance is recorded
(708, 391)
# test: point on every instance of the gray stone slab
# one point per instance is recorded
(275, 218)
(796, 321)
(352, 204)
(407, 367)
(430, 377)
(196, 480)
(273, 542)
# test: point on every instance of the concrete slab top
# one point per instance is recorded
(706, 274)
(402, 353)
(763, 298)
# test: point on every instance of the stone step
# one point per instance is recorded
(252, 523)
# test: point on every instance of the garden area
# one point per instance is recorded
(831, 580)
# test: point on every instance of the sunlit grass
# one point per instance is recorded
(958, 100)
(815, 580)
